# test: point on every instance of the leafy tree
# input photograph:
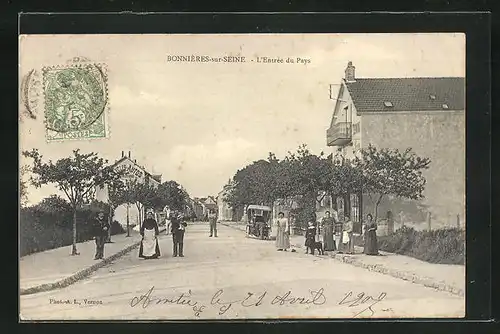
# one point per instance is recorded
(123, 192)
(257, 183)
(171, 194)
(23, 188)
(54, 204)
(139, 193)
(117, 195)
(301, 175)
(392, 172)
(76, 176)
(347, 177)
(309, 177)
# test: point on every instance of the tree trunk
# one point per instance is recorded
(376, 207)
(110, 218)
(390, 223)
(74, 250)
(361, 212)
(347, 205)
(128, 224)
(139, 213)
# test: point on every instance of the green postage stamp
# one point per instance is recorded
(76, 101)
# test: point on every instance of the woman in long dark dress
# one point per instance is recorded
(328, 224)
(371, 246)
(149, 248)
(310, 237)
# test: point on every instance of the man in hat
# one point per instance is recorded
(100, 229)
(212, 219)
(178, 227)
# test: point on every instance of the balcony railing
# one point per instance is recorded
(339, 134)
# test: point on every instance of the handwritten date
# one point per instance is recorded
(362, 299)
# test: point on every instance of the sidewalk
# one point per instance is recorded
(443, 277)
(57, 268)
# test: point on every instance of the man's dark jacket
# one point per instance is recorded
(175, 224)
(100, 228)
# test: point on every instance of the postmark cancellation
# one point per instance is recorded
(76, 101)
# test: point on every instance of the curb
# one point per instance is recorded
(406, 276)
(80, 274)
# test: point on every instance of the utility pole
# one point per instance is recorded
(429, 220)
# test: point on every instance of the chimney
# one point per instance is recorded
(129, 154)
(350, 72)
(123, 154)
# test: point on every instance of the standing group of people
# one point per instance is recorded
(336, 237)
(333, 239)
(150, 248)
(340, 237)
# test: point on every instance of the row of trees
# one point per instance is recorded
(308, 177)
(79, 175)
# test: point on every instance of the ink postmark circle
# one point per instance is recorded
(31, 93)
(75, 97)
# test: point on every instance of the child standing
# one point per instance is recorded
(310, 237)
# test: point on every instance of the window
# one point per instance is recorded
(388, 104)
(355, 128)
(355, 208)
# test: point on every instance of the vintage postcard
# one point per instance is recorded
(242, 176)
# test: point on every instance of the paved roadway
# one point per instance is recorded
(234, 277)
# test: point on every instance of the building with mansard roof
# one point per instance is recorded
(426, 114)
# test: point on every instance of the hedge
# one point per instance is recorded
(443, 246)
(41, 230)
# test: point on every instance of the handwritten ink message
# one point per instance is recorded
(147, 299)
(221, 303)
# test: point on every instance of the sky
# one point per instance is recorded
(198, 123)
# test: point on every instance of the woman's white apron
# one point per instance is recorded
(149, 243)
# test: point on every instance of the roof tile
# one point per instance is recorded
(408, 94)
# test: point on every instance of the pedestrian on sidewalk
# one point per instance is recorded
(100, 232)
(347, 238)
(168, 223)
(178, 229)
(310, 237)
(328, 225)
(282, 233)
(371, 245)
(149, 249)
(291, 229)
(212, 219)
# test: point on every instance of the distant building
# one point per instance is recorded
(209, 203)
(198, 208)
(202, 205)
(225, 211)
(133, 172)
(426, 114)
